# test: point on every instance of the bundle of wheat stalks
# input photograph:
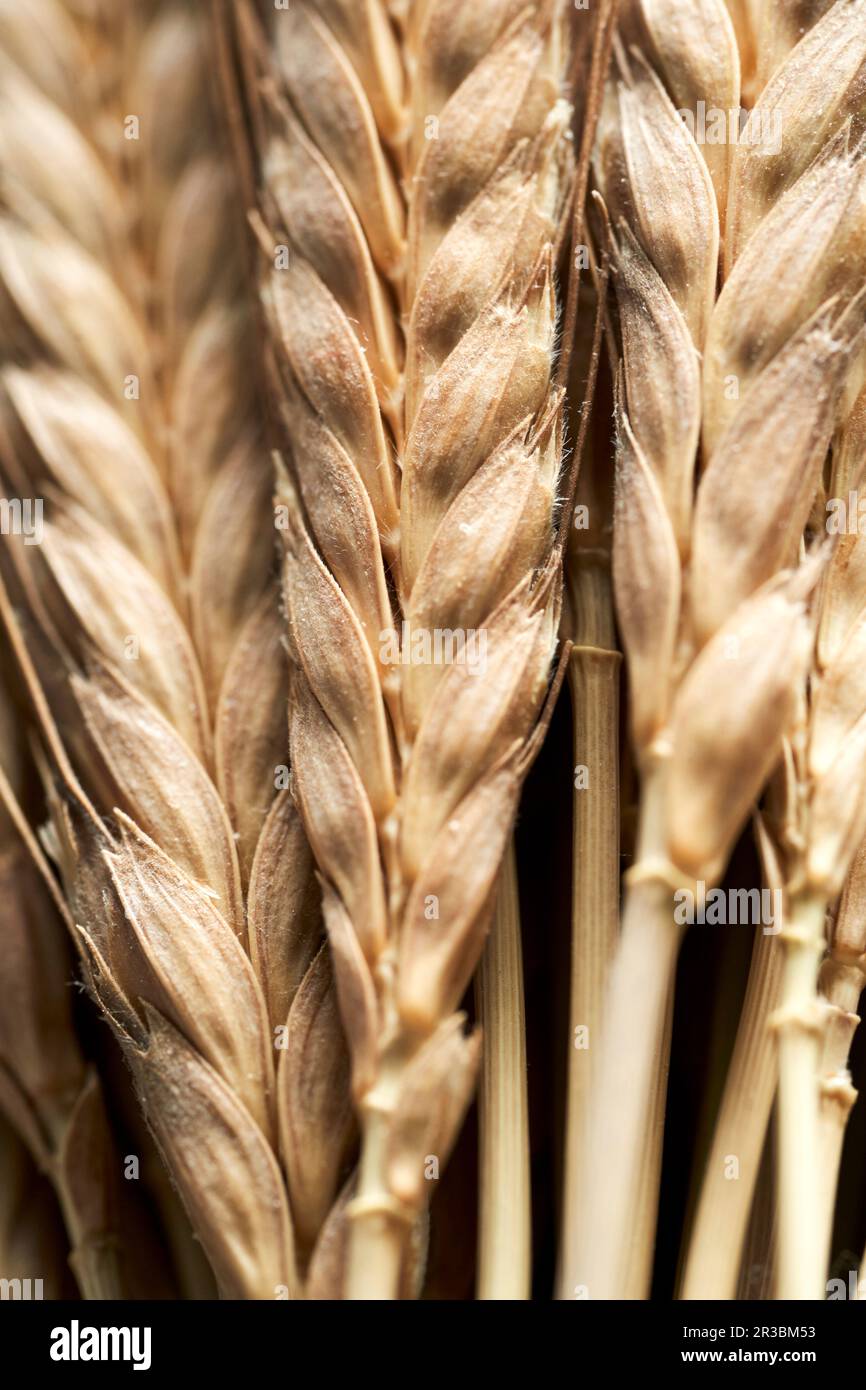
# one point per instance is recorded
(367, 367)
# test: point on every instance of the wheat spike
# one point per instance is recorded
(128, 407)
(714, 632)
(822, 813)
(831, 53)
(48, 1091)
(423, 164)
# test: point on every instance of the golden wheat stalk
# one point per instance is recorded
(151, 599)
(841, 982)
(416, 160)
(700, 610)
(588, 624)
(718, 1235)
(504, 1202)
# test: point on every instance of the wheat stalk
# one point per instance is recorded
(188, 878)
(695, 585)
(758, 1251)
(718, 1235)
(504, 1211)
(422, 492)
(593, 664)
(32, 1237)
(841, 981)
(594, 676)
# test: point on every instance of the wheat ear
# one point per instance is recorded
(822, 820)
(422, 492)
(48, 1092)
(593, 680)
(188, 878)
(833, 55)
(833, 52)
(825, 1026)
(698, 603)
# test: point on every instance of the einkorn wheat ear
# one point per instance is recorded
(147, 622)
(712, 619)
(414, 168)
